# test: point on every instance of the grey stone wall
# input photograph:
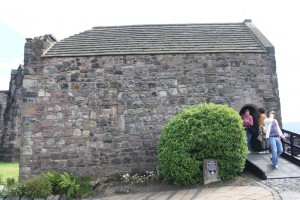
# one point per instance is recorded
(10, 125)
(3, 101)
(103, 115)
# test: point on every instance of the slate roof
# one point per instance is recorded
(163, 39)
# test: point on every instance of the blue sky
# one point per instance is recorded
(277, 20)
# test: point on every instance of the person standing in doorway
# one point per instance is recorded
(262, 131)
(274, 135)
(248, 123)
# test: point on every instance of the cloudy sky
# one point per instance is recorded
(277, 20)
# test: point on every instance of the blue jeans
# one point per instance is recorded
(248, 136)
(276, 149)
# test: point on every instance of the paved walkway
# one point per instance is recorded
(286, 169)
(219, 193)
(282, 184)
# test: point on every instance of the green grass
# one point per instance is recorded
(9, 170)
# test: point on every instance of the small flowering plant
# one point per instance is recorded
(17, 189)
(140, 178)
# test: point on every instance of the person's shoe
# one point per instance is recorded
(271, 159)
(275, 167)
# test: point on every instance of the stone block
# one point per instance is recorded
(182, 90)
(106, 112)
(114, 111)
(93, 115)
(77, 132)
(86, 133)
(30, 111)
(74, 86)
(26, 150)
(162, 94)
(61, 142)
(28, 83)
(42, 93)
(57, 108)
(53, 197)
(121, 123)
(93, 124)
(173, 91)
(50, 142)
(262, 87)
(29, 94)
(251, 62)
(27, 134)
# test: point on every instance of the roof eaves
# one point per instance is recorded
(262, 39)
(150, 52)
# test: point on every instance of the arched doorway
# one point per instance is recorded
(255, 143)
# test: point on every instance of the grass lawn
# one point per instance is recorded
(9, 170)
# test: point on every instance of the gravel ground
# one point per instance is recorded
(286, 188)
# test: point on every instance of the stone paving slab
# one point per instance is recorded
(286, 169)
(217, 193)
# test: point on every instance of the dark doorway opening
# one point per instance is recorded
(254, 142)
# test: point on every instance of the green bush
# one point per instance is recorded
(85, 188)
(38, 187)
(18, 189)
(10, 182)
(48, 183)
(55, 180)
(1, 180)
(198, 132)
(69, 185)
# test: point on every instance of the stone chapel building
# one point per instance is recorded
(95, 102)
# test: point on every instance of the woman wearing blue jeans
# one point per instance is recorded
(274, 135)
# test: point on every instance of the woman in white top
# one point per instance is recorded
(274, 135)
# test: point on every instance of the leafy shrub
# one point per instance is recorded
(55, 180)
(1, 180)
(85, 187)
(72, 185)
(49, 183)
(10, 182)
(68, 184)
(198, 132)
(38, 187)
(17, 189)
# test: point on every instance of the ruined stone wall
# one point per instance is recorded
(103, 115)
(32, 72)
(3, 101)
(10, 125)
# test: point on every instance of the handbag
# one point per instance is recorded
(260, 137)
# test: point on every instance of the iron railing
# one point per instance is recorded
(291, 147)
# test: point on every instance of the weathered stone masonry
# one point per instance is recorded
(103, 114)
(10, 118)
(93, 116)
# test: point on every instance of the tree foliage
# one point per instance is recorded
(198, 132)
